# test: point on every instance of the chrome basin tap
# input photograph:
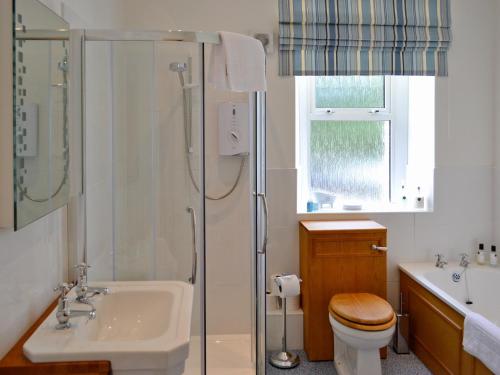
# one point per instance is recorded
(64, 312)
(440, 262)
(83, 291)
(464, 260)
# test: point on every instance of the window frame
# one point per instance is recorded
(348, 113)
(396, 91)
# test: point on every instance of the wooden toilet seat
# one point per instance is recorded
(362, 311)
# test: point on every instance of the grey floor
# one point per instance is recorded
(405, 364)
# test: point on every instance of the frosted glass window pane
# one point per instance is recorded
(350, 159)
(350, 92)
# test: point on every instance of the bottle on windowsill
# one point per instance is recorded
(312, 206)
(493, 256)
(480, 258)
(404, 197)
(419, 200)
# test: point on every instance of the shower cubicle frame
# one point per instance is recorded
(257, 102)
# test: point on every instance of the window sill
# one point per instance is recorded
(390, 209)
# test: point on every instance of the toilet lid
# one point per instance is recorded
(361, 308)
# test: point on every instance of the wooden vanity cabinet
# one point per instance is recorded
(16, 363)
(337, 257)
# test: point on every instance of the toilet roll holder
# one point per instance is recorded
(284, 359)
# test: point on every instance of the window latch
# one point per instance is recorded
(329, 111)
(374, 111)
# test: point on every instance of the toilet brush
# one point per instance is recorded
(284, 359)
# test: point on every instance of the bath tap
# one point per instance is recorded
(440, 262)
(464, 260)
(64, 312)
(83, 291)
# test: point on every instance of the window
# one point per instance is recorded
(354, 140)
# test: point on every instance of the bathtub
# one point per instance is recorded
(436, 300)
(483, 282)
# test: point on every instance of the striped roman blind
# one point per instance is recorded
(364, 37)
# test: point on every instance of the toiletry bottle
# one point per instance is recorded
(419, 200)
(404, 198)
(480, 259)
(310, 206)
(493, 256)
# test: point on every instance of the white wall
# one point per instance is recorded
(32, 262)
(464, 146)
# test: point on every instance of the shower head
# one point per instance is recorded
(178, 67)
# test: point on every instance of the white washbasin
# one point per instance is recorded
(142, 327)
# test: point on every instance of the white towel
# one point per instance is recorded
(482, 340)
(238, 63)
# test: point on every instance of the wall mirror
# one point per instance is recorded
(41, 141)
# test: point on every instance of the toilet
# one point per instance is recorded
(362, 323)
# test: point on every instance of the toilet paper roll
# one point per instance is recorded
(274, 285)
(288, 286)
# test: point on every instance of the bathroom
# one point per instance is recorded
(125, 197)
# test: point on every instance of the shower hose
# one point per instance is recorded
(186, 99)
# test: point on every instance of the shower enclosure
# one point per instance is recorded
(145, 161)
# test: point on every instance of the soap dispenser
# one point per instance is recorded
(493, 256)
(480, 259)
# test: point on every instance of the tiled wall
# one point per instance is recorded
(32, 262)
(99, 162)
(228, 231)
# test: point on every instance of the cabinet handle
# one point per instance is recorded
(379, 248)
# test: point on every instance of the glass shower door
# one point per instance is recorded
(261, 230)
(144, 167)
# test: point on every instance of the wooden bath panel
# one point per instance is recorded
(436, 332)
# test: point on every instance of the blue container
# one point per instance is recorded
(312, 206)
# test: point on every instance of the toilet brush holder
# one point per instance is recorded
(399, 340)
(402, 331)
(284, 359)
